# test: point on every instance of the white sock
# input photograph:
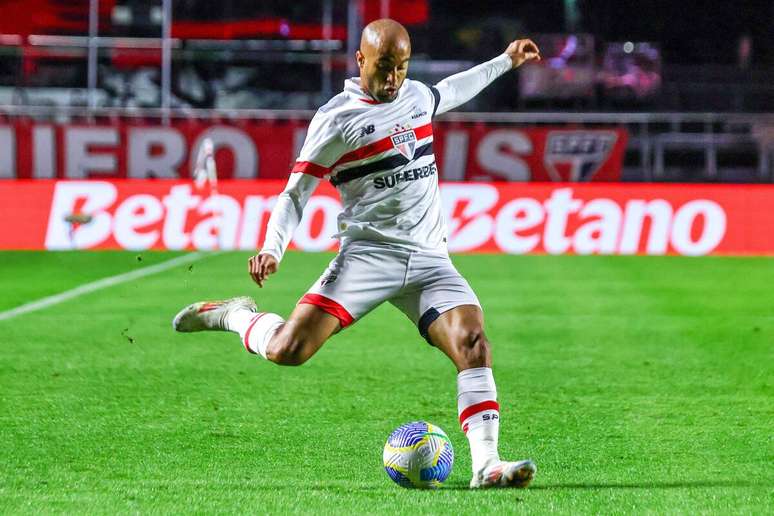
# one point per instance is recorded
(479, 414)
(255, 329)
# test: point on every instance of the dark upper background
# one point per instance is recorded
(713, 55)
(688, 31)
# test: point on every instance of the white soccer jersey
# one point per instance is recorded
(380, 158)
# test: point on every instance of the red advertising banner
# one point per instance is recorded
(248, 149)
(512, 218)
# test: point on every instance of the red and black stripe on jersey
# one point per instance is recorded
(388, 163)
(372, 149)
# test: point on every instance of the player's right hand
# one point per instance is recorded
(260, 266)
(521, 51)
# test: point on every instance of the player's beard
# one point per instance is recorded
(380, 92)
(387, 96)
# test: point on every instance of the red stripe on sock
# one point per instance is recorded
(328, 306)
(479, 407)
(247, 333)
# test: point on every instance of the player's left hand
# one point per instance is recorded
(523, 50)
(261, 266)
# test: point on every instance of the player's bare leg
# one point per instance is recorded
(290, 342)
(285, 342)
(459, 333)
(302, 335)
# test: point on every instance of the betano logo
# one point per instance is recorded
(478, 216)
(563, 223)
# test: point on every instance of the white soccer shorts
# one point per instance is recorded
(422, 284)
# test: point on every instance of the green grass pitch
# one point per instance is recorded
(638, 385)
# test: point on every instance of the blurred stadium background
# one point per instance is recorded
(647, 129)
(693, 92)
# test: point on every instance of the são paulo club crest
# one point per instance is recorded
(577, 155)
(404, 141)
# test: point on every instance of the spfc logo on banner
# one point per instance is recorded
(405, 142)
(577, 155)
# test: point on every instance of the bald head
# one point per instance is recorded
(385, 48)
(384, 34)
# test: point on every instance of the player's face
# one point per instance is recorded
(384, 71)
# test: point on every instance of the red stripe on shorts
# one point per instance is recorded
(247, 333)
(479, 407)
(328, 306)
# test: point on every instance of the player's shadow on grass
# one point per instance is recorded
(686, 484)
(629, 485)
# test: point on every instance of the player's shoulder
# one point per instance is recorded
(418, 91)
(331, 110)
(417, 87)
(334, 105)
(342, 108)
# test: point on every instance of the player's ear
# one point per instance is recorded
(360, 58)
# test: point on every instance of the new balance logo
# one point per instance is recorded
(367, 129)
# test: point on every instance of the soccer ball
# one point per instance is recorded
(418, 454)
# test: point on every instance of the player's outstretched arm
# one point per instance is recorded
(282, 224)
(461, 87)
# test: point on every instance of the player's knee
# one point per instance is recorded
(469, 338)
(289, 351)
(472, 345)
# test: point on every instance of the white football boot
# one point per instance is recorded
(505, 474)
(210, 315)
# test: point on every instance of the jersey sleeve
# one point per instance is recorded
(323, 146)
(459, 88)
(287, 213)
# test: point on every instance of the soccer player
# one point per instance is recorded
(374, 143)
